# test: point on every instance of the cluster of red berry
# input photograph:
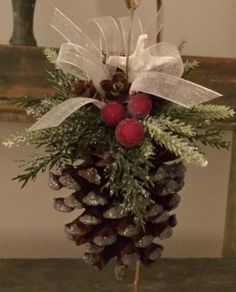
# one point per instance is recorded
(129, 127)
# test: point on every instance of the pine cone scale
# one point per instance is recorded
(107, 228)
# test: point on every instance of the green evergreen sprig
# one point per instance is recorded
(19, 139)
(189, 67)
(51, 55)
(39, 164)
(174, 143)
(209, 112)
(211, 137)
(129, 180)
(67, 143)
(175, 128)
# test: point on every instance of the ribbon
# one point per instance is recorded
(88, 49)
(155, 26)
(136, 32)
(162, 57)
(183, 92)
(61, 112)
(153, 68)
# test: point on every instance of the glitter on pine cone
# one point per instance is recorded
(140, 105)
(130, 133)
(105, 227)
(112, 113)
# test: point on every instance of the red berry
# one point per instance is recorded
(140, 105)
(130, 133)
(112, 113)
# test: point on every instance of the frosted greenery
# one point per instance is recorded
(176, 129)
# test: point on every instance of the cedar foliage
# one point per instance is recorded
(174, 128)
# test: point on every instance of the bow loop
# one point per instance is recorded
(165, 58)
(72, 33)
(75, 60)
(172, 88)
(161, 57)
(136, 32)
(155, 69)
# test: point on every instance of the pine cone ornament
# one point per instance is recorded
(107, 228)
(132, 131)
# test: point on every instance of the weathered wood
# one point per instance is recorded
(229, 248)
(23, 71)
(218, 74)
(205, 275)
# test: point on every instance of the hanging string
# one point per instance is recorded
(137, 276)
(129, 43)
(132, 6)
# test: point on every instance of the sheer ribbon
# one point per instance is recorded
(153, 68)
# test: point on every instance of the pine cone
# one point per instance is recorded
(117, 88)
(105, 227)
(83, 88)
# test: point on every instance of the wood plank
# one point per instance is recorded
(168, 275)
(218, 74)
(23, 71)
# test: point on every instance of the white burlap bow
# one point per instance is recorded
(154, 68)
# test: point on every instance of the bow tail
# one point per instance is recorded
(61, 112)
(172, 88)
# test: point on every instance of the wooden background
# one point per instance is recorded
(168, 275)
(23, 71)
